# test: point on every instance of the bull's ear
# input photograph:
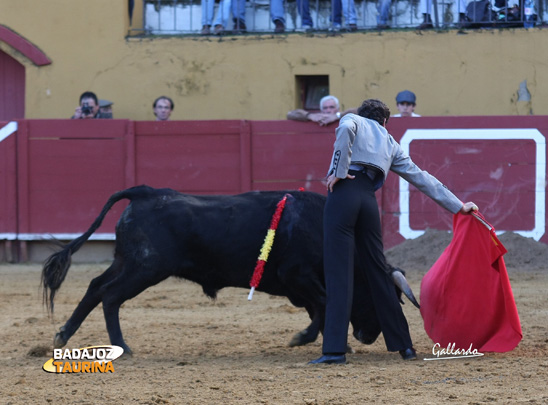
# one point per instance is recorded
(400, 280)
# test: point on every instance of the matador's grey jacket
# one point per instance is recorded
(361, 141)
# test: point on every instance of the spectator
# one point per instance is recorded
(162, 107)
(364, 152)
(89, 107)
(346, 8)
(238, 16)
(329, 112)
(406, 102)
(425, 7)
(105, 108)
(383, 14)
(277, 14)
(223, 14)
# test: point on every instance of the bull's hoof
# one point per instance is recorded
(365, 339)
(127, 351)
(59, 341)
(296, 340)
(302, 338)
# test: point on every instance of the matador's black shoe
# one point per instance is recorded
(330, 359)
(408, 354)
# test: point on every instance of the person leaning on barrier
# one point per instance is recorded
(329, 112)
(89, 107)
(406, 102)
(364, 152)
(162, 108)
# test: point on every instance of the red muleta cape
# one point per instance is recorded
(466, 297)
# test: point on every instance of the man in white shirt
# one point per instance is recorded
(329, 112)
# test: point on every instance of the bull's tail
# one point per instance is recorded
(57, 265)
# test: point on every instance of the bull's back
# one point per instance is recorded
(217, 237)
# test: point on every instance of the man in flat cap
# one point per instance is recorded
(105, 108)
(406, 102)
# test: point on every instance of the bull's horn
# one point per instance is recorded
(403, 285)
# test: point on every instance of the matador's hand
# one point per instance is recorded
(332, 180)
(468, 208)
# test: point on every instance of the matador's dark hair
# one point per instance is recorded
(374, 110)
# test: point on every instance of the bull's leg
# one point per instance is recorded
(310, 334)
(112, 319)
(126, 286)
(91, 299)
(304, 289)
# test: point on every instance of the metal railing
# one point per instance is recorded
(176, 17)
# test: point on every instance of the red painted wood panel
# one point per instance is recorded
(197, 157)
(289, 155)
(499, 174)
(12, 88)
(8, 186)
(67, 171)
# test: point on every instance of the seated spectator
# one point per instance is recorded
(426, 10)
(277, 14)
(238, 16)
(237, 7)
(383, 14)
(162, 108)
(89, 107)
(406, 102)
(346, 8)
(329, 112)
(105, 108)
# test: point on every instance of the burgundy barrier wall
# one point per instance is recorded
(56, 175)
(228, 157)
(66, 170)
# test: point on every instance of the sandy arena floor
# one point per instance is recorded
(191, 350)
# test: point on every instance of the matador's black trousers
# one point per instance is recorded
(352, 221)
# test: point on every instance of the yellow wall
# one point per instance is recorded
(253, 76)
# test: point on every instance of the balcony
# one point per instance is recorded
(184, 17)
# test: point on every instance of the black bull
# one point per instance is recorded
(213, 241)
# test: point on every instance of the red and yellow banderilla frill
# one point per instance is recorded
(267, 247)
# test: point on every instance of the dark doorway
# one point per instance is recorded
(310, 90)
(12, 88)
